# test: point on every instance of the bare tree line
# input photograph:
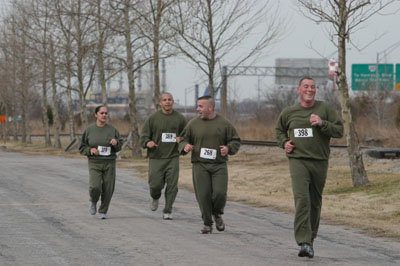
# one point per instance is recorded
(52, 51)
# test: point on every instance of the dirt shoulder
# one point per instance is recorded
(260, 176)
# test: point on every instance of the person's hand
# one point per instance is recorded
(315, 120)
(289, 146)
(151, 144)
(224, 150)
(178, 139)
(188, 148)
(94, 151)
(113, 142)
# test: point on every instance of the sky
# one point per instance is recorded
(182, 76)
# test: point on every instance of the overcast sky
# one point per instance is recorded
(181, 76)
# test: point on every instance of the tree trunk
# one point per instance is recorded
(69, 94)
(136, 150)
(156, 55)
(211, 64)
(358, 173)
(100, 59)
(81, 54)
(224, 92)
(24, 93)
(56, 125)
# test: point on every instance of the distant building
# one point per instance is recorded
(288, 71)
(118, 101)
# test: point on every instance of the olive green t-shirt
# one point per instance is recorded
(207, 135)
(310, 141)
(162, 129)
(100, 137)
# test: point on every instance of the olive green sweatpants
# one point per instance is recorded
(101, 182)
(210, 183)
(161, 172)
(308, 181)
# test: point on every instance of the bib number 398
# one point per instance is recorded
(303, 133)
(210, 154)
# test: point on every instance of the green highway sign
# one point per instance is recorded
(398, 77)
(363, 77)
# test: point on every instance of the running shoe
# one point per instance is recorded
(167, 216)
(92, 208)
(306, 250)
(207, 229)
(219, 223)
(154, 204)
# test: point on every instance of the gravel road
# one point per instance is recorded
(44, 220)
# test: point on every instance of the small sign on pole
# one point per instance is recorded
(3, 126)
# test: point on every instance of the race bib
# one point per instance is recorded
(104, 151)
(303, 133)
(168, 137)
(209, 154)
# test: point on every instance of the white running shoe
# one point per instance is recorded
(154, 204)
(167, 216)
(92, 208)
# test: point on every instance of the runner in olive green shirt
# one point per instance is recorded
(100, 142)
(160, 136)
(304, 131)
(210, 138)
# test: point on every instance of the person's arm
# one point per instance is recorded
(333, 126)
(182, 125)
(118, 141)
(233, 141)
(281, 131)
(145, 135)
(84, 148)
(184, 145)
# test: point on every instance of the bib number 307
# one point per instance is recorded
(210, 154)
(303, 133)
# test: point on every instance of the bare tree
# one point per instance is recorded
(84, 45)
(65, 25)
(153, 25)
(134, 44)
(211, 30)
(25, 81)
(10, 53)
(281, 97)
(36, 14)
(344, 16)
(53, 79)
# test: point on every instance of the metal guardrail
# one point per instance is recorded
(375, 152)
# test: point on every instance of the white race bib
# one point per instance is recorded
(303, 133)
(104, 151)
(209, 154)
(168, 137)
